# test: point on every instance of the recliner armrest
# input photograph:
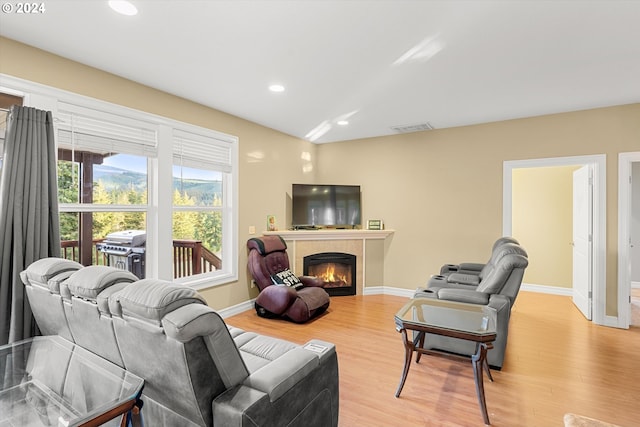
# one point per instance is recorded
(281, 374)
(464, 295)
(311, 281)
(471, 266)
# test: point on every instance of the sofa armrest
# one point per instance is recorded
(463, 295)
(465, 279)
(471, 266)
(281, 374)
(228, 408)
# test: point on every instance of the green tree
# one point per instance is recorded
(209, 230)
(68, 193)
(184, 222)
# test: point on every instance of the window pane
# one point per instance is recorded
(102, 179)
(196, 187)
(86, 250)
(197, 242)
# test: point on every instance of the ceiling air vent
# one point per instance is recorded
(412, 128)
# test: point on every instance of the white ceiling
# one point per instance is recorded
(377, 63)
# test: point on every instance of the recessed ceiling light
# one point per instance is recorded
(123, 7)
(276, 88)
(343, 122)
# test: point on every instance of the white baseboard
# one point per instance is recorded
(388, 290)
(545, 289)
(236, 309)
(635, 284)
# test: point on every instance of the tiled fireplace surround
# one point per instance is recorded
(367, 245)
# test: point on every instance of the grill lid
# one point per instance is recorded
(133, 238)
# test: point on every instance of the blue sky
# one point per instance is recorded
(139, 164)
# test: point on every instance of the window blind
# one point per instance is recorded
(201, 151)
(80, 128)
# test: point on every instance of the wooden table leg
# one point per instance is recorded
(478, 360)
(420, 343)
(408, 351)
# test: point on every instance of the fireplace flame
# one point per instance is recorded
(329, 275)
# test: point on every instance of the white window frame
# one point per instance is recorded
(223, 159)
(159, 205)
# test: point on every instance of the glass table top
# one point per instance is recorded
(49, 381)
(470, 319)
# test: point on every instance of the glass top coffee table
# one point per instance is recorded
(49, 381)
(476, 323)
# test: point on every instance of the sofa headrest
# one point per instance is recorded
(500, 274)
(502, 240)
(89, 281)
(44, 269)
(509, 249)
(267, 244)
(152, 299)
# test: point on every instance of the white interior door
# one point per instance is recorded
(634, 238)
(582, 240)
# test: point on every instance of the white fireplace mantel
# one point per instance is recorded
(331, 234)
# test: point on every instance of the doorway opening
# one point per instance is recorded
(597, 207)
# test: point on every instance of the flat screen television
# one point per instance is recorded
(318, 206)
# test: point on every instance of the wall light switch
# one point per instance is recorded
(252, 229)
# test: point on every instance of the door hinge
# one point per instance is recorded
(590, 294)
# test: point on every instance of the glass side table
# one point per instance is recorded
(49, 381)
(476, 323)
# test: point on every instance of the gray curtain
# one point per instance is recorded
(29, 221)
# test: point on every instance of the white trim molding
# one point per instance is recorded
(625, 161)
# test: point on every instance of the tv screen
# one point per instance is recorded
(325, 205)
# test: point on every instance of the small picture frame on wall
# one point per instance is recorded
(271, 223)
(375, 224)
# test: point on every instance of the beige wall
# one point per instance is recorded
(542, 218)
(269, 161)
(440, 190)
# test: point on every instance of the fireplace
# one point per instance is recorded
(336, 269)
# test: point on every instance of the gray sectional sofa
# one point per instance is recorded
(198, 370)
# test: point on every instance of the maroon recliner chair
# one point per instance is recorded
(282, 294)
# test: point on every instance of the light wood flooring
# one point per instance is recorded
(556, 362)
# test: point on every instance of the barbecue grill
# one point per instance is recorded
(125, 250)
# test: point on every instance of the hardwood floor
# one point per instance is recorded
(556, 362)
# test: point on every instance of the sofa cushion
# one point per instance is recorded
(89, 281)
(44, 269)
(152, 299)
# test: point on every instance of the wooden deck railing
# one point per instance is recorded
(70, 249)
(189, 256)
